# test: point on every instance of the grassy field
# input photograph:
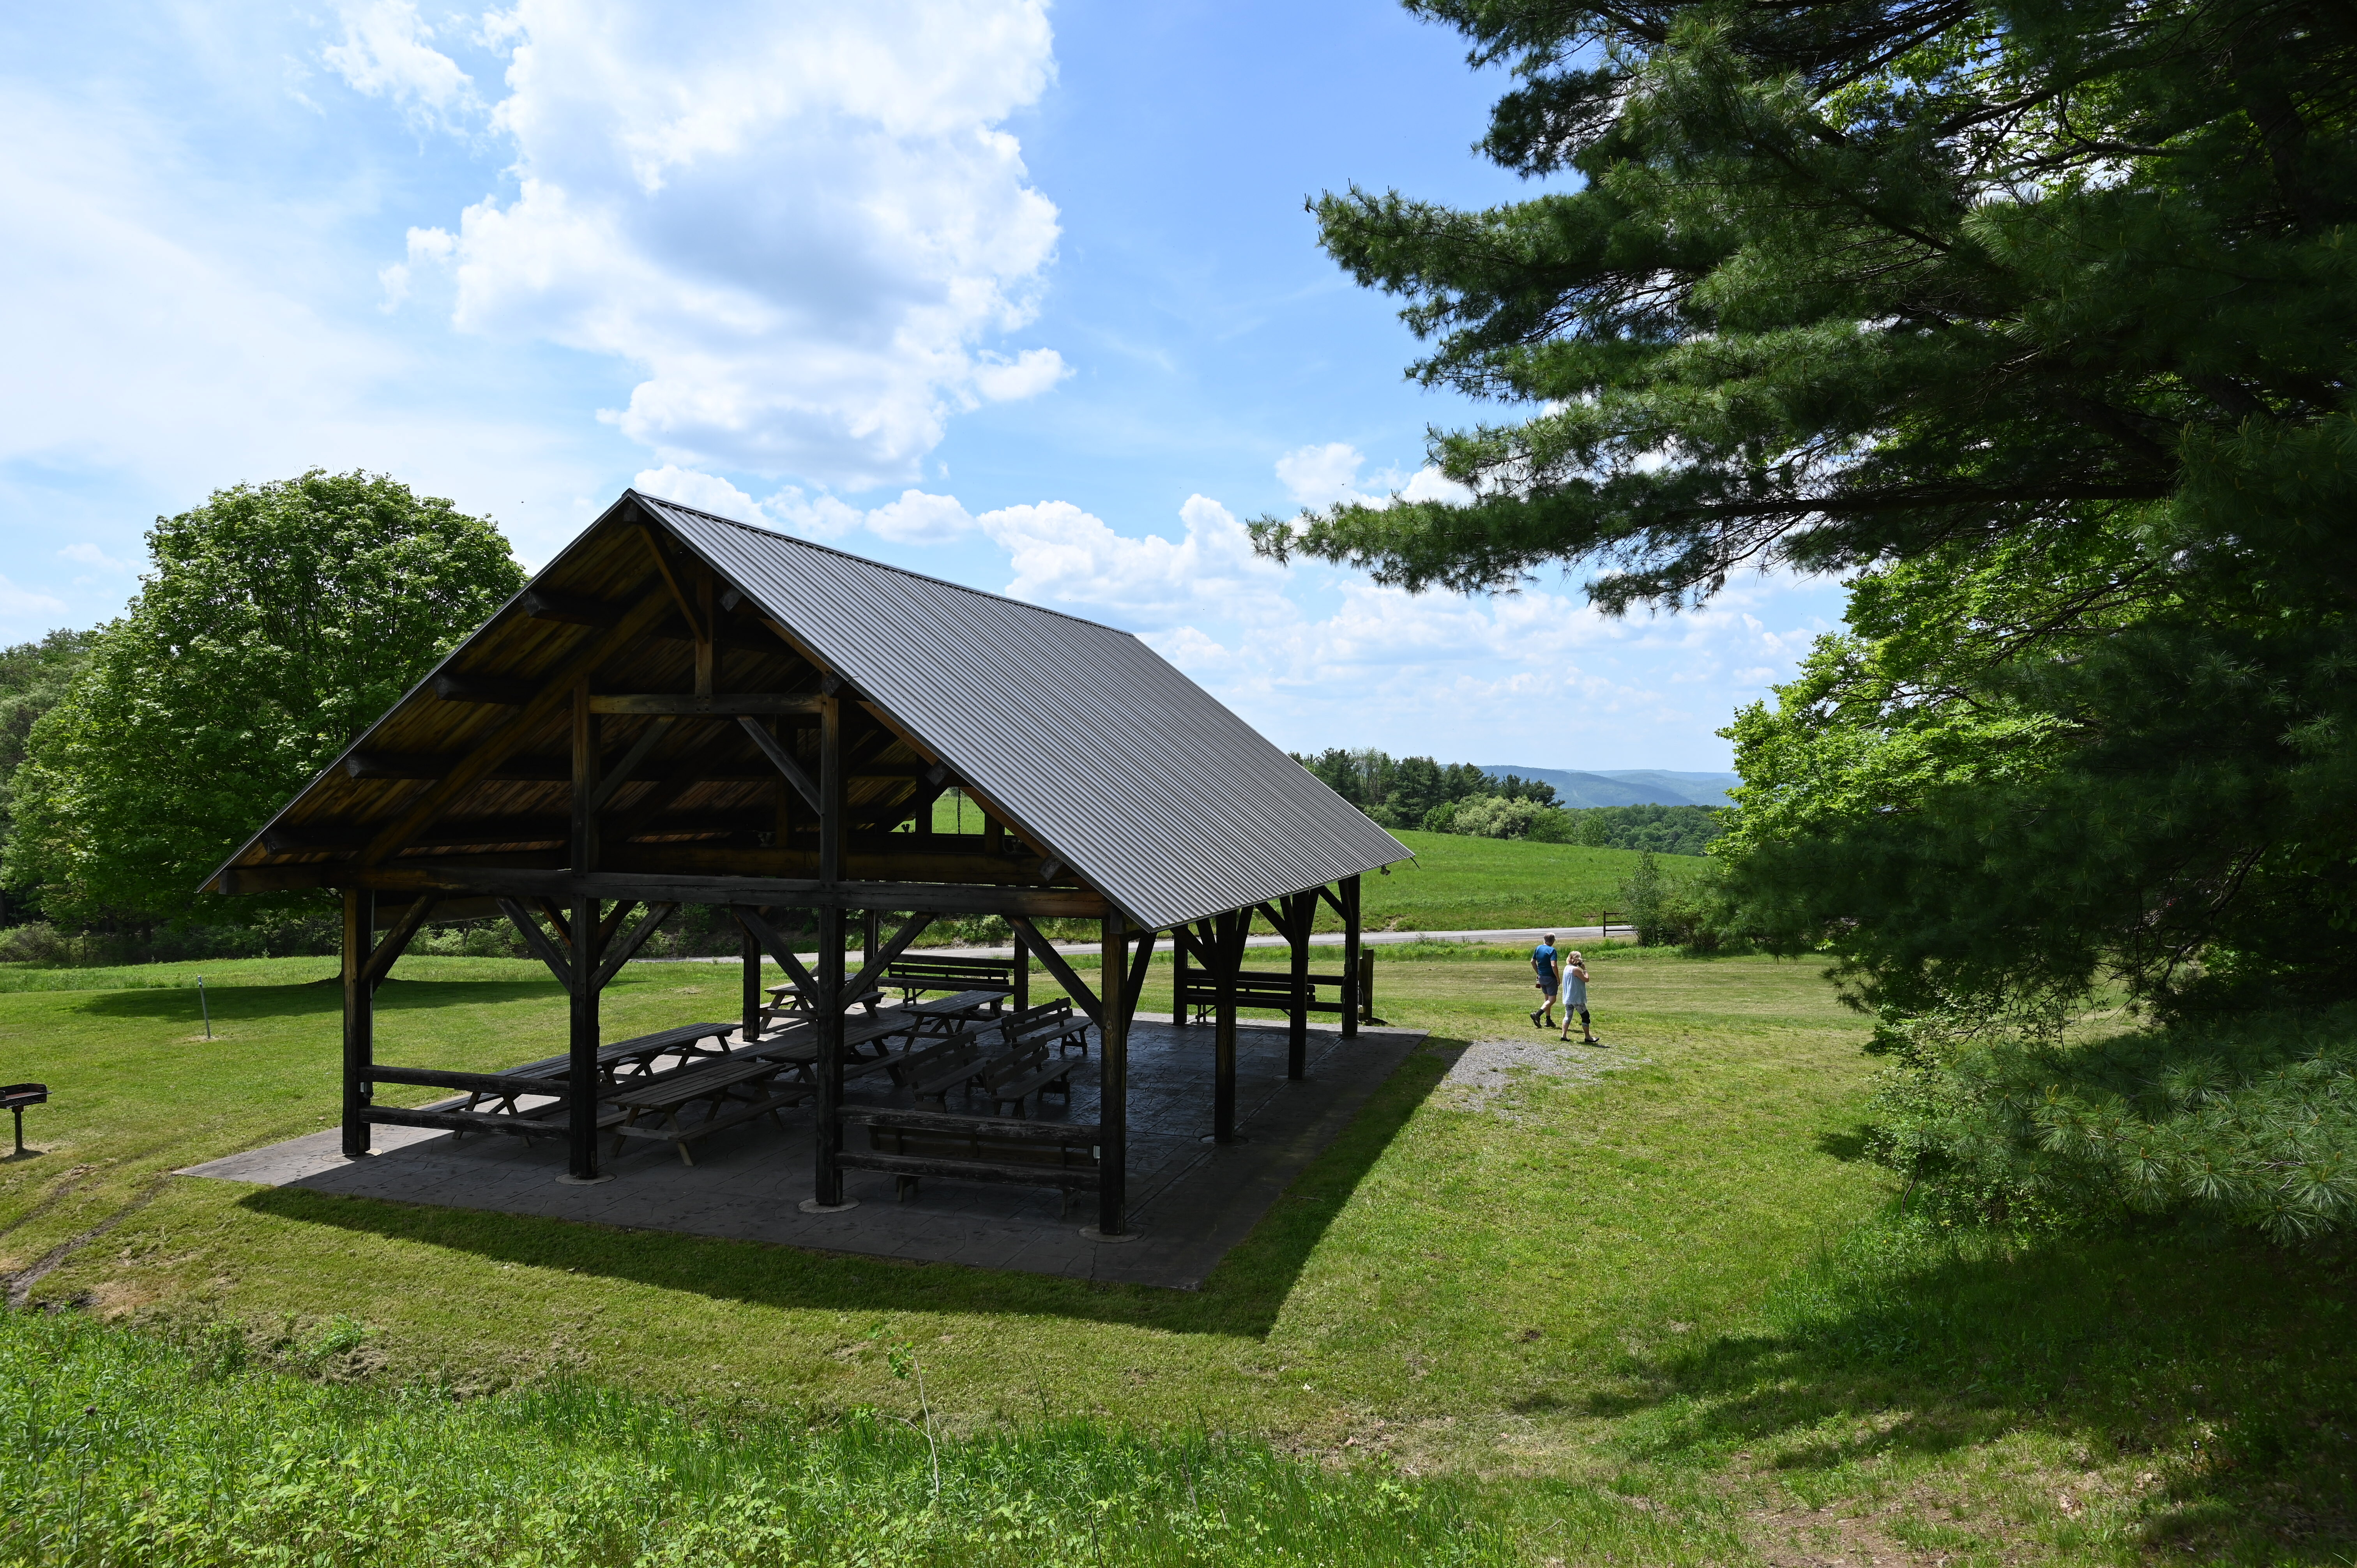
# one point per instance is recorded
(1656, 1314)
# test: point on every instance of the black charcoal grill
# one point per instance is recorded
(15, 1097)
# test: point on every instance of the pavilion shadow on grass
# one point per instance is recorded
(684, 709)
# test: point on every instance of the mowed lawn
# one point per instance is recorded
(1664, 1290)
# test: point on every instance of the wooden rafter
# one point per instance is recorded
(555, 693)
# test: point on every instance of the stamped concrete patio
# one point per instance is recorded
(1189, 1201)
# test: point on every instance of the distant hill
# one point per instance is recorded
(1641, 787)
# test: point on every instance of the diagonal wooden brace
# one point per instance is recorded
(777, 947)
(537, 941)
(911, 929)
(391, 946)
(796, 775)
(1083, 997)
(621, 952)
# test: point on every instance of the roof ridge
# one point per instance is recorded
(871, 560)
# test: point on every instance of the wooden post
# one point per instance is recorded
(581, 1068)
(1022, 973)
(871, 937)
(751, 951)
(707, 633)
(1177, 983)
(359, 1018)
(1230, 930)
(1367, 985)
(1112, 1080)
(828, 1178)
(1349, 888)
(1300, 914)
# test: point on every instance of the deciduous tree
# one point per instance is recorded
(276, 623)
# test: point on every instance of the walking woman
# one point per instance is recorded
(1575, 997)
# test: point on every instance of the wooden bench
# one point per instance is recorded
(913, 975)
(913, 1144)
(1035, 1073)
(733, 1092)
(1268, 988)
(549, 1120)
(1053, 1022)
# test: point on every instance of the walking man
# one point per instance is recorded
(1543, 964)
(1574, 998)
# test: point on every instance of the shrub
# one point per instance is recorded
(1495, 817)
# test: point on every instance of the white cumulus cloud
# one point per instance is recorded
(1327, 475)
(385, 54)
(804, 223)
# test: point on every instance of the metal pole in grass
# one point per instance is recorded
(207, 1006)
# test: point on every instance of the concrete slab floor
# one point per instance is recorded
(1189, 1201)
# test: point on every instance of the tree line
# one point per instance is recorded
(1421, 793)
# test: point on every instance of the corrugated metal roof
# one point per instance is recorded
(1136, 777)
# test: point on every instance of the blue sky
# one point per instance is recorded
(1023, 296)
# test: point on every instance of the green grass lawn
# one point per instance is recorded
(1662, 1315)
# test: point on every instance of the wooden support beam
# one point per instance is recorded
(537, 941)
(671, 580)
(583, 1040)
(1112, 1080)
(585, 728)
(613, 921)
(707, 644)
(748, 952)
(827, 1002)
(574, 609)
(1353, 1005)
(492, 689)
(707, 705)
(879, 958)
(390, 946)
(756, 923)
(1301, 914)
(1083, 997)
(623, 770)
(788, 768)
(558, 922)
(513, 877)
(1138, 967)
(1230, 931)
(621, 952)
(511, 732)
(359, 1018)
(830, 790)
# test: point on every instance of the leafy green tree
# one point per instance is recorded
(277, 623)
(2037, 321)
(34, 677)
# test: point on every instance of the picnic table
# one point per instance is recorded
(789, 999)
(939, 1018)
(731, 1094)
(616, 1063)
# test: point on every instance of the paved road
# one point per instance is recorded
(1322, 939)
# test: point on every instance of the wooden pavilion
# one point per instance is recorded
(685, 709)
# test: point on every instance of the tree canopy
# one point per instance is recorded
(275, 624)
(2034, 321)
(1845, 282)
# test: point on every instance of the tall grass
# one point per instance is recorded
(119, 1448)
